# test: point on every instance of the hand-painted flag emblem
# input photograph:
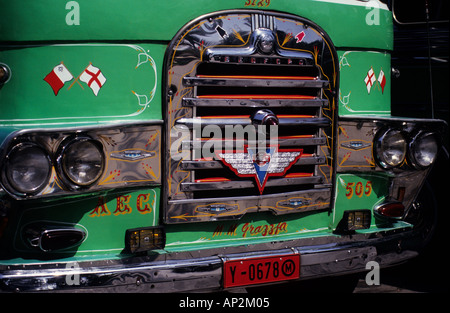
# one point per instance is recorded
(261, 165)
(370, 79)
(382, 80)
(58, 77)
(93, 77)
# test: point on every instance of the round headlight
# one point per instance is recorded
(423, 150)
(27, 168)
(391, 148)
(82, 161)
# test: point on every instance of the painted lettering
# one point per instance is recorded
(263, 230)
(101, 209)
(232, 230)
(122, 205)
(145, 203)
(218, 231)
(257, 3)
(142, 204)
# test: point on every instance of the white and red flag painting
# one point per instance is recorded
(382, 80)
(93, 77)
(58, 77)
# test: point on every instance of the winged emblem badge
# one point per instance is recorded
(260, 164)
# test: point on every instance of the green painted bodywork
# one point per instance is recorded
(138, 97)
(354, 98)
(155, 20)
(129, 93)
(28, 100)
(359, 192)
(104, 219)
(127, 40)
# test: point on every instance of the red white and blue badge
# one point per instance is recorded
(260, 164)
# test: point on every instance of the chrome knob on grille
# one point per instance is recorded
(264, 117)
(265, 40)
(263, 120)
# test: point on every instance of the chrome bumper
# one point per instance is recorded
(199, 273)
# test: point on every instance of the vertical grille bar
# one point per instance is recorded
(262, 21)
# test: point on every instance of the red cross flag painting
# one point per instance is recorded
(370, 79)
(93, 77)
(58, 77)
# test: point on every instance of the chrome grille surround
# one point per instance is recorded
(220, 70)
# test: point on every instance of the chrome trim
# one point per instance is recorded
(5, 72)
(264, 117)
(404, 181)
(366, 129)
(356, 145)
(196, 165)
(280, 203)
(222, 122)
(251, 48)
(131, 155)
(241, 184)
(215, 70)
(376, 211)
(203, 270)
(254, 103)
(254, 82)
(34, 236)
(426, 22)
(230, 143)
(262, 21)
(114, 138)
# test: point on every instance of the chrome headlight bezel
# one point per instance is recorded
(415, 149)
(68, 155)
(390, 148)
(40, 164)
(116, 143)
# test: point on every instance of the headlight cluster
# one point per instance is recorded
(393, 147)
(423, 150)
(28, 167)
(80, 162)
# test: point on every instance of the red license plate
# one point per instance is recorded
(244, 272)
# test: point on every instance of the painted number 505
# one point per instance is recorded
(358, 189)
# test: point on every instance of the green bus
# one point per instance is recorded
(169, 146)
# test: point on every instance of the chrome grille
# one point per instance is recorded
(219, 78)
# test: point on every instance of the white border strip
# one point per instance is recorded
(362, 3)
